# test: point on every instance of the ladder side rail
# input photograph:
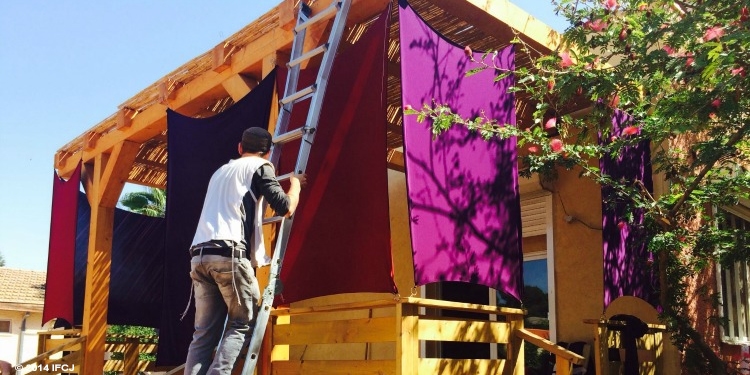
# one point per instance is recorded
(292, 78)
(316, 103)
(264, 312)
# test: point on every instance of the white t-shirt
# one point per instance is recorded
(222, 216)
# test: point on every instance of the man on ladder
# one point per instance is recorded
(223, 261)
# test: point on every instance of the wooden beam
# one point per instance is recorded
(396, 160)
(152, 120)
(503, 20)
(97, 275)
(116, 172)
(238, 85)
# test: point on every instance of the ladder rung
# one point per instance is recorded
(284, 177)
(272, 220)
(333, 8)
(299, 94)
(309, 55)
(290, 135)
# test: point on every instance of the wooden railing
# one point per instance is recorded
(61, 352)
(126, 353)
(395, 337)
(564, 359)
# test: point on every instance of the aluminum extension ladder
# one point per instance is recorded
(339, 9)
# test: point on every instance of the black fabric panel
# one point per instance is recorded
(197, 147)
(135, 296)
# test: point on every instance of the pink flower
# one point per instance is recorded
(744, 14)
(713, 33)
(556, 145)
(712, 116)
(533, 149)
(566, 61)
(614, 101)
(716, 103)
(595, 25)
(613, 138)
(631, 130)
(408, 107)
(738, 72)
(551, 123)
(622, 225)
(467, 51)
(610, 4)
(669, 50)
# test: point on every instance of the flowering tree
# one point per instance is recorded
(679, 68)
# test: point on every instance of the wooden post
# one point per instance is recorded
(130, 359)
(104, 182)
(514, 364)
(562, 366)
(97, 278)
(407, 339)
(600, 349)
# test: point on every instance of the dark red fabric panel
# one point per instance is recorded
(58, 296)
(340, 240)
(464, 204)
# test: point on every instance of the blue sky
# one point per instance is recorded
(66, 65)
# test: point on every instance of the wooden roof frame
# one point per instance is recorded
(114, 148)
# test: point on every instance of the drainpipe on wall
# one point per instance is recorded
(20, 337)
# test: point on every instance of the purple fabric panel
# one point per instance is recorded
(137, 277)
(629, 268)
(463, 190)
(197, 147)
(58, 298)
(333, 247)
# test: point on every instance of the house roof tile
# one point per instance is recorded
(22, 286)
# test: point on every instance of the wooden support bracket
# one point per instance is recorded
(168, 91)
(90, 141)
(238, 85)
(287, 14)
(125, 118)
(221, 57)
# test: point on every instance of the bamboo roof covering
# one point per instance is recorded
(195, 89)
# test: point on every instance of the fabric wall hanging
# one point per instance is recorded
(58, 296)
(137, 269)
(340, 241)
(629, 268)
(463, 190)
(197, 147)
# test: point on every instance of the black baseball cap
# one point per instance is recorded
(256, 139)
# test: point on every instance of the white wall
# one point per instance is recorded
(9, 341)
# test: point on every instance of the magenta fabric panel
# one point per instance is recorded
(463, 190)
(197, 147)
(58, 296)
(629, 268)
(340, 241)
